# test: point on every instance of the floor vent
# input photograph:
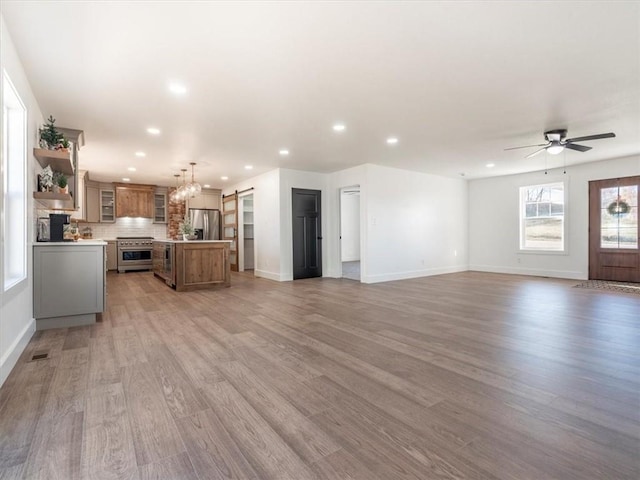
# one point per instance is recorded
(40, 356)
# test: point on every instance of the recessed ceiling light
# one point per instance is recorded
(206, 185)
(125, 179)
(132, 169)
(339, 127)
(392, 140)
(224, 178)
(284, 152)
(491, 165)
(177, 88)
(153, 131)
(248, 167)
(141, 154)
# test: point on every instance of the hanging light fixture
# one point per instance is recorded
(175, 195)
(192, 188)
(182, 190)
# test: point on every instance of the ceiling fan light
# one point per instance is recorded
(555, 149)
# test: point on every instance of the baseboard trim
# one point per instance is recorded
(267, 275)
(10, 358)
(390, 277)
(534, 272)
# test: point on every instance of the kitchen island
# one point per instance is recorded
(69, 283)
(192, 265)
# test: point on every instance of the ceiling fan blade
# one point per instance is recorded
(580, 148)
(526, 146)
(591, 137)
(535, 153)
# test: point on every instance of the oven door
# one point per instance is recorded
(134, 258)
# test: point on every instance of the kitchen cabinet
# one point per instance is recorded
(107, 205)
(209, 198)
(192, 265)
(68, 283)
(134, 200)
(112, 255)
(160, 206)
(92, 202)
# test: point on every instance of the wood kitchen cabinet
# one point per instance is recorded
(134, 200)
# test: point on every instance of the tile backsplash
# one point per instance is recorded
(127, 227)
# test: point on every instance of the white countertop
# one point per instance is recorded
(80, 242)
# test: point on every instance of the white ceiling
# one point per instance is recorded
(456, 82)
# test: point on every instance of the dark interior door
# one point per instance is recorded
(307, 233)
(613, 229)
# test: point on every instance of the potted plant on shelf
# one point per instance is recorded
(61, 182)
(187, 230)
(51, 138)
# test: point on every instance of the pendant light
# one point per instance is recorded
(182, 190)
(175, 195)
(193, 188)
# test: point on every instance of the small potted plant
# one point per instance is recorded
(187, 230)
(61, 181)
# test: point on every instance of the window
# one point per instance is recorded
(14, 205)
(619, 217)
(542, 217)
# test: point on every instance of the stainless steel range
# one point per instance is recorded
(135, 253)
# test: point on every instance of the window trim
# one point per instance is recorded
(11, 284)
(565, 220)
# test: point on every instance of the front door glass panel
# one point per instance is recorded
(619, 217)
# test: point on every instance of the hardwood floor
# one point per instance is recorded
(462, 376)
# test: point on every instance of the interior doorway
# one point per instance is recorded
(614, 243)
(350, 232)
(246, 251)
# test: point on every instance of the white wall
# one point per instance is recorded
(494, 220)
(16, 321)
(349, 227)
(266, 214)
(416, 224)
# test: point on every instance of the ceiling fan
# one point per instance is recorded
(557, 141)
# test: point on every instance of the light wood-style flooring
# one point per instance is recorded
(462, 376)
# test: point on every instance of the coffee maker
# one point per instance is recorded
(57, 221)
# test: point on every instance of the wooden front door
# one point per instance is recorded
(613, 229)
(307, 233)
(230, 227)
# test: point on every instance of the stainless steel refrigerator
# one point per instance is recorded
(206, 222)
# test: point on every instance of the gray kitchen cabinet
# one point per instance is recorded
(92, 202)
(69, 283)
(112, 255)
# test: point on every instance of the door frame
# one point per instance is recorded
(340, 190)
(594, 248)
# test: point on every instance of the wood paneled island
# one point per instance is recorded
(192, 265)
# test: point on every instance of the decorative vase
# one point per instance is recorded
(189, 237)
